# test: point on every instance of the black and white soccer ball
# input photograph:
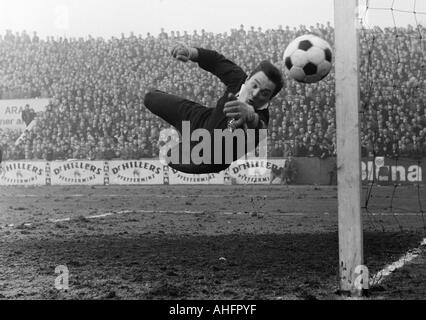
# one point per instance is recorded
(308, 58)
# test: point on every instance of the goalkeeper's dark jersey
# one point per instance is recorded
(233, 77)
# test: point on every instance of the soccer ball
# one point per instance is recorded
(308, 58)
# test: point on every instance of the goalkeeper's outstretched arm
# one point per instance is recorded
(227, 71)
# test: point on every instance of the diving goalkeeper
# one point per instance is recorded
(244, 104)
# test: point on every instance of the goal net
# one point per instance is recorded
(392, 107)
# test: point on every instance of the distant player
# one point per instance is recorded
(277, 172)
(244, 103)
(287, 174)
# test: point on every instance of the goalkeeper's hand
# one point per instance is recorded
(183, 53)
(242, 113)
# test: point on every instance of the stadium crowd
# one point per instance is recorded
(97, 85)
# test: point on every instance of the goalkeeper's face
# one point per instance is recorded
(257, 90)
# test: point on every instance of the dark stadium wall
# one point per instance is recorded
(315, 171)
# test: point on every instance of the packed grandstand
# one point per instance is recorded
(96, 88)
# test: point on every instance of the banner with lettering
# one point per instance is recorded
(135, 172)
(22, 173)
(177, 177)
(386, 171)
(75, 172)
(254, 171)
(11, 111)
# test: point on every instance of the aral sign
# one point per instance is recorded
(11, 111)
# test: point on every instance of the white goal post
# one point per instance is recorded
(348, 144)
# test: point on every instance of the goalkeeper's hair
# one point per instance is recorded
(273, 73)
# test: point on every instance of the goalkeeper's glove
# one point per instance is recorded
(183, 53)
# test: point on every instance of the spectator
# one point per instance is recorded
(28, 115)
(290, 170)
(323, 151)
(277, 151)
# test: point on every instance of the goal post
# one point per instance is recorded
(348, 144)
